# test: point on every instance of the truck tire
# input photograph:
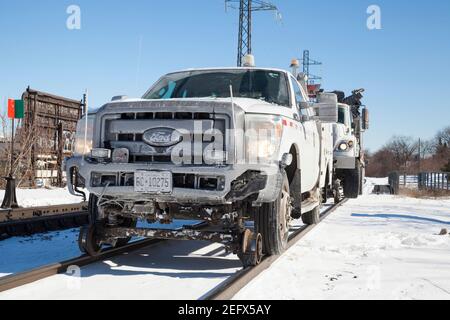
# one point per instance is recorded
(272, 221)
(312, 217)
(87, 239)
(93, 209)
(352, 182)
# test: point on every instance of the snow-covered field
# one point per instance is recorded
(376, 247)
(43, 197)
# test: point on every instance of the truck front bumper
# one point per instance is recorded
(238, 182)
(344, 162)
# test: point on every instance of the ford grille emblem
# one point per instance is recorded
(162, 137)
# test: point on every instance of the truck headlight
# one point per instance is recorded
(345, 145)
(262, 138)
(81, 148)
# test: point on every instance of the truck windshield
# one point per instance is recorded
(269, 86)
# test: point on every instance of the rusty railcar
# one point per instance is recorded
(47, 135)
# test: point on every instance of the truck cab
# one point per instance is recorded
(222, 146)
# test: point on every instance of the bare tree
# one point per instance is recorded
(4, 149)
(24, 142)
(427, 148)
(403, 150)
(380, 163)
(443, 137)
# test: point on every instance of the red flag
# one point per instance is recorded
(11, 109)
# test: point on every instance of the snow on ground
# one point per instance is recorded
(25, 253)
(167, 270)
(372, 182)
(376, 247)
(43, 197)
(21, 254)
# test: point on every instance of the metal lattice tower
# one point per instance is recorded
(246, 8)
(307, 62)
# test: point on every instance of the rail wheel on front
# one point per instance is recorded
(272, 221)
(88, 241)
(251, 253)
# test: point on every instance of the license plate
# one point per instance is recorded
(152, 182)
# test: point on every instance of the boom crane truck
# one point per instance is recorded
(351, 120)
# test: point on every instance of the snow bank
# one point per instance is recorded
(43, 197)
(370, 183)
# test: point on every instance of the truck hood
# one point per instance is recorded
(246, 104)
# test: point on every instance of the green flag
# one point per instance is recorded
(19, 109)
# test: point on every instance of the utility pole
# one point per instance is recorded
(307, 63)
(15, 111)
(420, 155)
(246, 9)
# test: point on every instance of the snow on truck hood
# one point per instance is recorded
(246, 104)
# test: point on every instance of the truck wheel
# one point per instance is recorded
(93, 209)
(87, 239)
(312, 217)
(272, 221)
(352, 182)
(326, 189)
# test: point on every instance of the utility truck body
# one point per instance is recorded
(221, 146)
(350, 122)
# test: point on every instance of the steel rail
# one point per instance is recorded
(27, 277)
(35, 220)
(25, 214)
(230, 287)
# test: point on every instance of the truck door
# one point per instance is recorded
(309, 140)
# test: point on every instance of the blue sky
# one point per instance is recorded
(404, 67)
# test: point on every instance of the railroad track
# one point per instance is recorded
(20, 279)
(224, 291)
(28, 221)
(230, 287)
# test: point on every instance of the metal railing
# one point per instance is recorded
(409, 181)
(434, 180)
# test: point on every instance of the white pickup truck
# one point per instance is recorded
(222, 146)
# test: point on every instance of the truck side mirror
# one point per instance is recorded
(365, 119)
(304, 118)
